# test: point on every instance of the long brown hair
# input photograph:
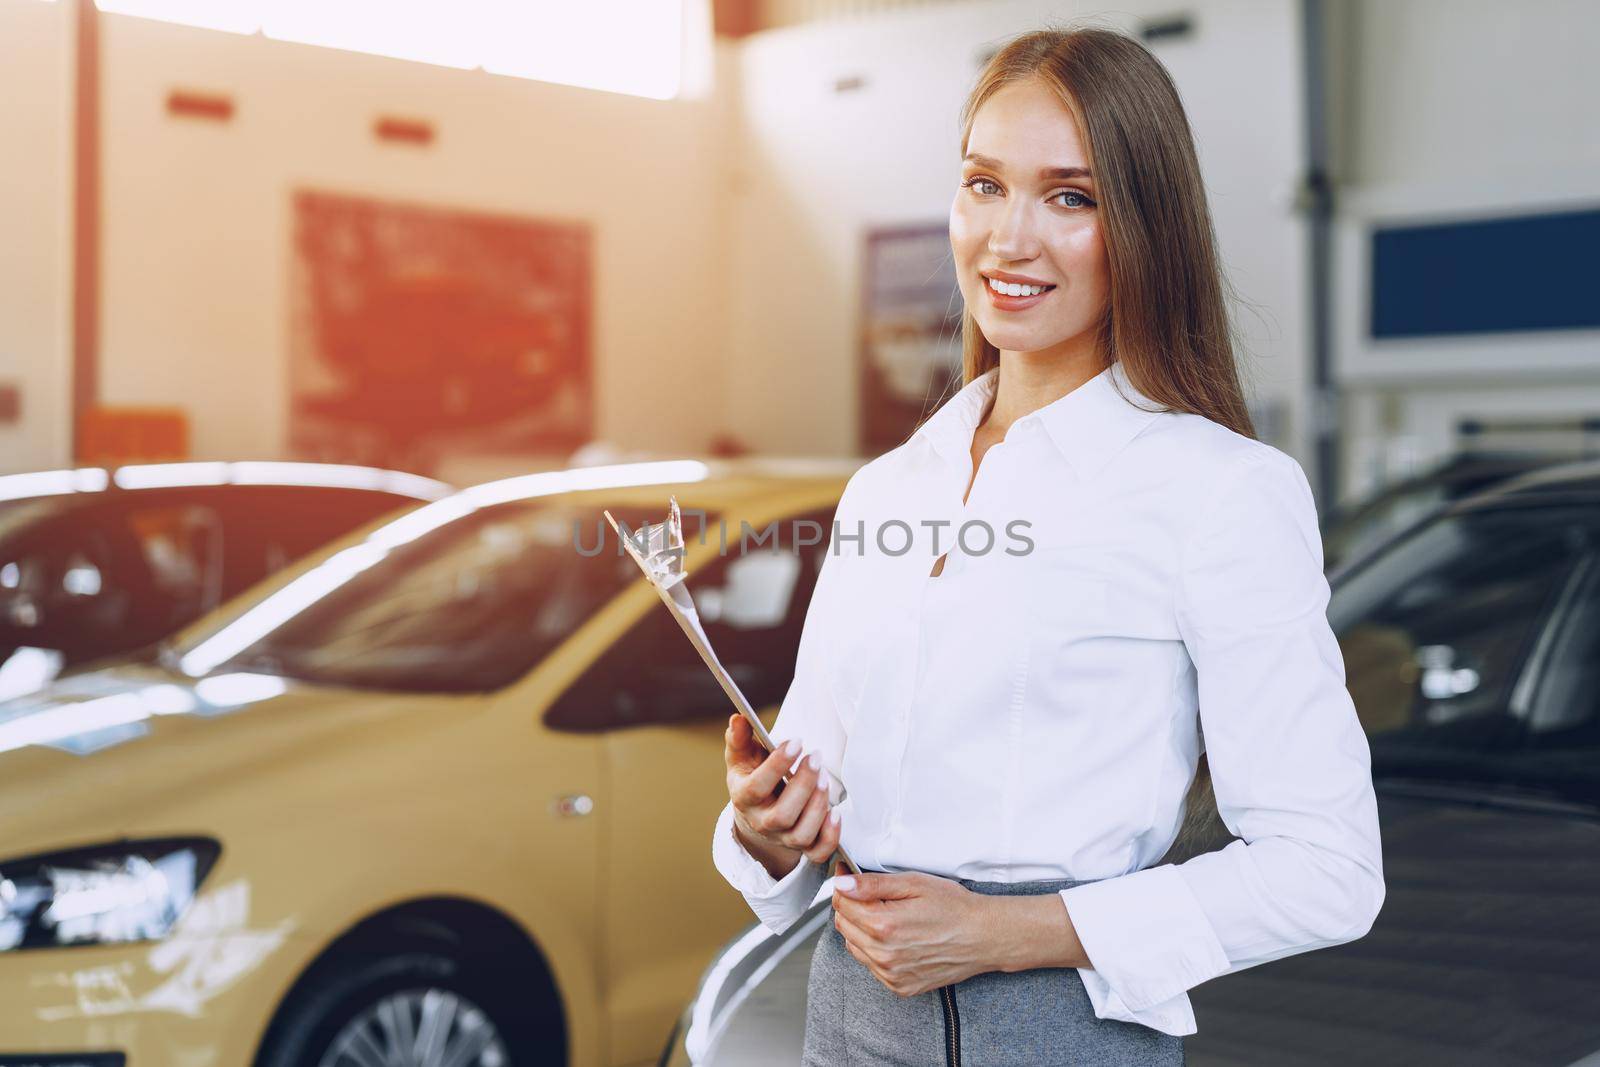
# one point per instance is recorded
(1166, 320)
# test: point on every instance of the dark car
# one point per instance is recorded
(1349, 533)
(98, 562)
(1472, 652)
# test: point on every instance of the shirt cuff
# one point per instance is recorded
(777, 902)
(1175, 1016)
(1149, 942)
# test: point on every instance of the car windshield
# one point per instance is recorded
(468, 603)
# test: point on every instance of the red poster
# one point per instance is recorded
(422, 332)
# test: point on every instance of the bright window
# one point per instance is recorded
(623, 46)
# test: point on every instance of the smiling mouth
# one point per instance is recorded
(1014, 289)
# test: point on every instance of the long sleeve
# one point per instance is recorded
(810, 713)
(1290, 768)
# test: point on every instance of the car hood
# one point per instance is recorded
(104, 753)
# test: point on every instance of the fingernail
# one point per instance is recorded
(846, 883)
(824, 780)
(834, 818)
(816, 761)
(791, 747)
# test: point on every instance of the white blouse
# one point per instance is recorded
(1035, 711)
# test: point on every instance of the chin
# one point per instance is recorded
(1014, 340)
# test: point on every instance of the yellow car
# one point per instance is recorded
(438, 794)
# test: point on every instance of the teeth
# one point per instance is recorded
(1010, 289)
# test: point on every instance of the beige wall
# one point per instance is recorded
(1471, 92)
(35, 235)
(198, 218)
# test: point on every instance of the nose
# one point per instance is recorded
(1012, 237)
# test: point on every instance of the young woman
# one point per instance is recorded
(1029, 613)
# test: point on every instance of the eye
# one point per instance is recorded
(977, 180)
(1085, 201)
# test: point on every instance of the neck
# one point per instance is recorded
(1030, 380)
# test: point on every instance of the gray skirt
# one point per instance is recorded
(1035, 1018)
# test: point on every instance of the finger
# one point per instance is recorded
(763, 781)
(733, 746)
(827, 839)
(797, 793)
(812, 817)
(856, 911)
(759, 787)
(741, 749)
(878, 886)
(854, 934)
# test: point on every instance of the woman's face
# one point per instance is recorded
(1026, 212)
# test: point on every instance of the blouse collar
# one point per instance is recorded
(1089, 425)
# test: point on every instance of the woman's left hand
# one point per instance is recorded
(913, 931)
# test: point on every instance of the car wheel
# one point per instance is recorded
(410, 1007)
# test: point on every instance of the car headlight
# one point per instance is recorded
(111, 894)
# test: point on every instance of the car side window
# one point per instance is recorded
(66, 588)
(1560, 754)
(752, 604)
(1435, 634)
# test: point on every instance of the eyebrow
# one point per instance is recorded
(1048, 172)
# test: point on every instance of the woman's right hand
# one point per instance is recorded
(778, 821)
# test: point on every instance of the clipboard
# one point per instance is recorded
(662, 565)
